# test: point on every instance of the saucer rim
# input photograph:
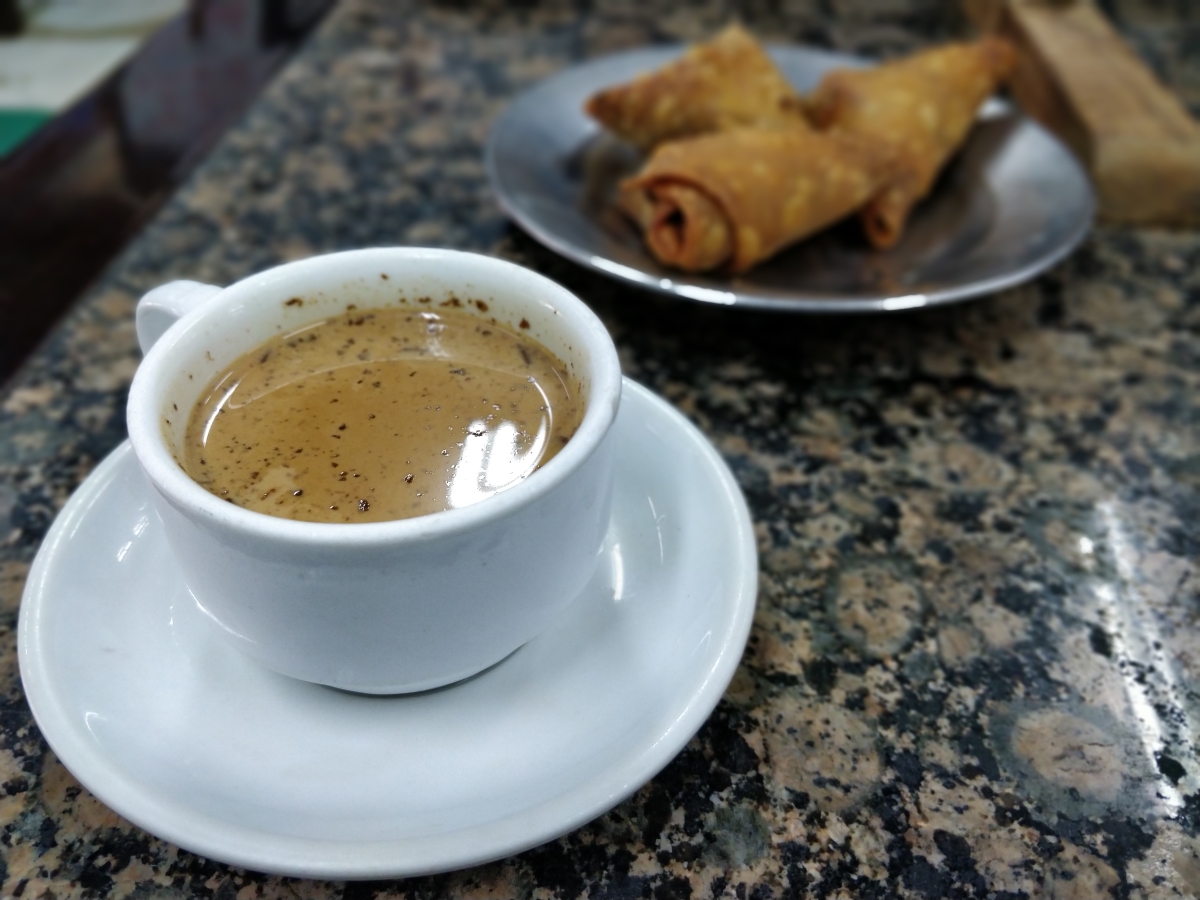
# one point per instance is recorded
(267, 851)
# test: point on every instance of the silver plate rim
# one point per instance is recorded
(809, 303)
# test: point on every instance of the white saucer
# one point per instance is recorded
(179, 733)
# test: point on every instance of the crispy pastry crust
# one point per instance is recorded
(735, 198)
(919, 109)
(727, 82)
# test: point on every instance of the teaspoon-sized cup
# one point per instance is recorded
(384, 607)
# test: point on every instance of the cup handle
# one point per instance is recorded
(164, 306)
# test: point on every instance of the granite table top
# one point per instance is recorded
(974, 666)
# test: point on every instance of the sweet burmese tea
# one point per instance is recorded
(381, 414)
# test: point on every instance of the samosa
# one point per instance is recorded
(919, 109)
(727, 82)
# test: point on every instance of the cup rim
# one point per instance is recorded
(169, 478)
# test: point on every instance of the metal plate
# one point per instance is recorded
(1011, 204)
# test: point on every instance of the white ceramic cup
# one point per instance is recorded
(383, 607)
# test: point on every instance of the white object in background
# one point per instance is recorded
(50, 73)
(88, 17)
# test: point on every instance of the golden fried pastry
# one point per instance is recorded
(726, 82)
(920, 108)
(734, 198)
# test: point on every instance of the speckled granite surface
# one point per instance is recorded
(975, 662)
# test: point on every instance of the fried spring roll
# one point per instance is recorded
(921, 108)
(726, 82)
(734, 198)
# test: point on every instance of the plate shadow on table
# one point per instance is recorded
(690, 337)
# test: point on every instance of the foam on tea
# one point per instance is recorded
(381, 414)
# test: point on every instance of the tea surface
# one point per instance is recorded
(381, 414)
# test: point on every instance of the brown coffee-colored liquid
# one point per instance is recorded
(381, 414)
